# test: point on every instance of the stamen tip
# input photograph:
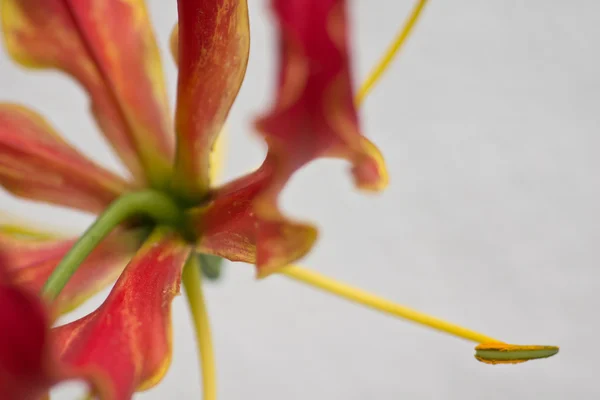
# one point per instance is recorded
(501, 353)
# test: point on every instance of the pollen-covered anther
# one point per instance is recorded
(501, 353)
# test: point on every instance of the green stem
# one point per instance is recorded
(155, 205)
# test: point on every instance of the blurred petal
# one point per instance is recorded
(23, 373)
(36, 163)
(214, 41)
(108, 46)
(29, 366)
(31, 257)
(314, 113)
(174, 44)
(127, 340)
(231, 228)
(26, 370)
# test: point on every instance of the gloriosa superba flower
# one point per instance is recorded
(152, 226)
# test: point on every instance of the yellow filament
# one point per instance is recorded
(192, 283)
(490, 350)
(391, 52)
(22, 231)
(357, 295)
(361, 297)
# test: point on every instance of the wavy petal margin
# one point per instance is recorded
(314, 113)
(31, 256)
(36, 163)
(231, 228)
(109, 47)
(126, 342)
(213, 46)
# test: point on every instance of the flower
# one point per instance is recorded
(168, 211)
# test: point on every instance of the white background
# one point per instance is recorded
(489, 122)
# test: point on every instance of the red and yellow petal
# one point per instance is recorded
(213, 46)
(31, 256)
(36, 163)
(230, 226)
(314, 113)
(313, 116)
(108, 46)
(126, 343)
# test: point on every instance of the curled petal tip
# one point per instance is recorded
(501, 353)
(370, 173)
(314, 114)
(287, 243)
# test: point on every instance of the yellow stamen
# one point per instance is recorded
(490, 350)
(25, 232)
(192, 283)
(360, 296)
(391, 52)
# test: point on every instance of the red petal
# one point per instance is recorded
(36, 163)
(214, 41)
(314, 113)
(25, 372)
(127, 341)
(108, 46)
(31, 259)
(231, 226)
(314, 116)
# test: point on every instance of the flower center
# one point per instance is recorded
(152, 205)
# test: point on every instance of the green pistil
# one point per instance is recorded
(154, 205)
(211, 266)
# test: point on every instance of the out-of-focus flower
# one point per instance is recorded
(108, 47)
